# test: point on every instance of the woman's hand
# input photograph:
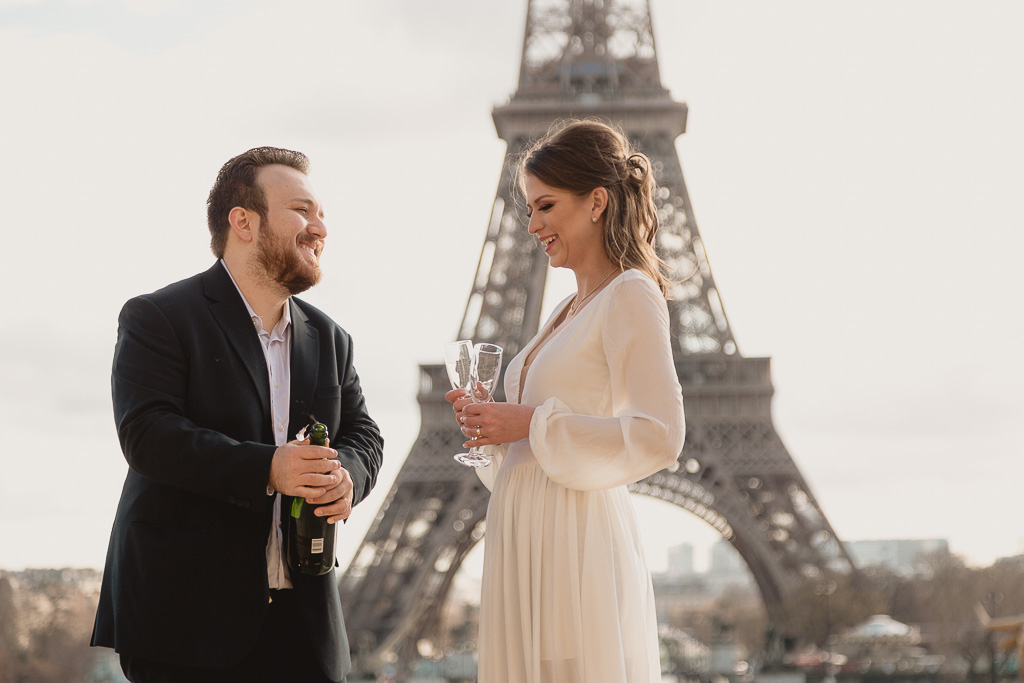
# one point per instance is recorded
(489, 424)
(455, 396)
(497, 422)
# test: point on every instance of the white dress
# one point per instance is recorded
(566, 595)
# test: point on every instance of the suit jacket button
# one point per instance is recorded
(270, 599)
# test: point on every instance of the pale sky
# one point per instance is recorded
(855, 169)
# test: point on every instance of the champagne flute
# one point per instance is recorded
(458, 361)
(485, 373)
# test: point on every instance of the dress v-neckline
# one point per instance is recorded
(540, 342)
(550, 333)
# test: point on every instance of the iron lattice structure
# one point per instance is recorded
(592, 58)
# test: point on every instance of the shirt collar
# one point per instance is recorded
(286, 320)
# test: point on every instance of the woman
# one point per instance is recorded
(594, 405)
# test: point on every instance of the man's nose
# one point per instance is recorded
(318, 227)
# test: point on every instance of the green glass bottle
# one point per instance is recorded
(308, 538)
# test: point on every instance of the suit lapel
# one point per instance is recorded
(305, 367)
(229, 311)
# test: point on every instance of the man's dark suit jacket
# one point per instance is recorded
(186, 573)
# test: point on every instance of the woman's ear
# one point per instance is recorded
(599, 199)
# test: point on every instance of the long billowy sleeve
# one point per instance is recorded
(645, 431)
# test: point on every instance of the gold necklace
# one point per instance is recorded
(577, 302)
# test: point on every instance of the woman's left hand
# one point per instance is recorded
(489, 424)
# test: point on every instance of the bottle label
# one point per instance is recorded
(318, 545)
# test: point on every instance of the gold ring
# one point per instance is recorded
(478, 433)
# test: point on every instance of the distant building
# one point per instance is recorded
(725, 559)
(727, 569)
(1010, 561)
(903, 556)
(680, 560)
(681, 587)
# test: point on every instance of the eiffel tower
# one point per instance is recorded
(592, 58)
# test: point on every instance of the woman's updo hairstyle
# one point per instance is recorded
(580, 155)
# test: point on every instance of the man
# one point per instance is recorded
(210, 377)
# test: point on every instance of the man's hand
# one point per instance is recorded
(304, 471)
(338, 496)
(310, 473)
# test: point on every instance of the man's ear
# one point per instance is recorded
(244, 223)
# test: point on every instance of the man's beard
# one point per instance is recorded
(283, 264)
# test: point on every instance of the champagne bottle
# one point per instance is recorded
(310, 539)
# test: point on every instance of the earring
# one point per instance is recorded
(593, 218)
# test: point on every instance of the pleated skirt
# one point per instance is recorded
(566, 593)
